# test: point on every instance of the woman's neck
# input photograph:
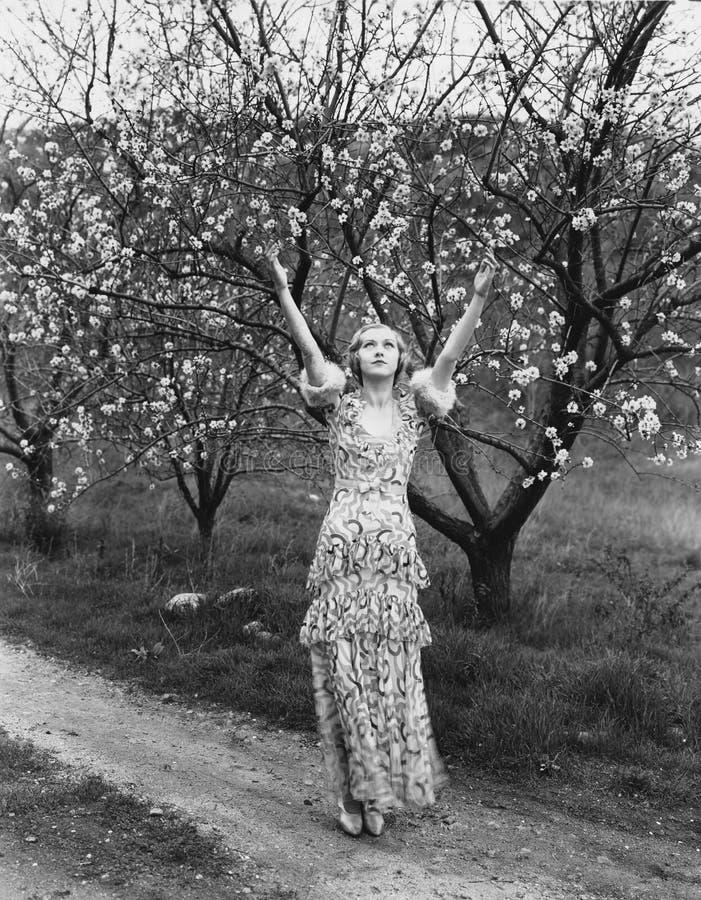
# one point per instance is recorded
(377, 395)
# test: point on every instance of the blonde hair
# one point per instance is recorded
(357, 340)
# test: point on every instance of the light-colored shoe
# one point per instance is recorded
(351, 823)
(373, 819)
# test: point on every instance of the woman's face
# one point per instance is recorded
(378, 354)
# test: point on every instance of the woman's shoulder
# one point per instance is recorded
(410, 415)
(344, 410)
(404, 394)
(348, 407)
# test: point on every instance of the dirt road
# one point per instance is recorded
(262, 790)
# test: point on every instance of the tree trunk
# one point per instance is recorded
(490, 564)
(44, 529)
(205, 524)
(489, 555)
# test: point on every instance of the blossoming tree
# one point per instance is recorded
(386, 147)
(99, 346)
(45, 388)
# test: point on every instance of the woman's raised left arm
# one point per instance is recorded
(462, 334)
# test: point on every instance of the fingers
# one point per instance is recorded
(489, 262)
(485, 273)
(272, 250)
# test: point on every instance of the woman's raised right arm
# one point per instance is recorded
(314, 362)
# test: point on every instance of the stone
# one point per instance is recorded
(235, 597)
(251, 629)
(184, 604)
(267, 639)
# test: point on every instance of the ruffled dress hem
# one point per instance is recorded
(386, 797)
(342, 558)
(363, 612)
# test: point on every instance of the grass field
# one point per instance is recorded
(601, 659)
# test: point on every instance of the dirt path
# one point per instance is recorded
(263, 792)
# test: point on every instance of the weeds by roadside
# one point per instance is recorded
(643, 605)
(25, 572)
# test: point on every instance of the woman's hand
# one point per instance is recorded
(276, 269)
(485, 273)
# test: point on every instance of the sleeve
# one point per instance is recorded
(326, 395)
(429, 400)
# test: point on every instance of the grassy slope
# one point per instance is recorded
(600, 660)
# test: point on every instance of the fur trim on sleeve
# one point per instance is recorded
(429, 400)
(323, 394)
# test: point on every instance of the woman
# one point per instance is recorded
(364, 627)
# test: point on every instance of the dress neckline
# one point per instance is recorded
(392, 433)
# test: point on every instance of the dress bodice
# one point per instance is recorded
(368, 522)
(366, 459)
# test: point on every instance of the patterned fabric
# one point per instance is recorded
(375, 730)
(364, 626)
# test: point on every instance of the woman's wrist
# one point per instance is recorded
(478, 300)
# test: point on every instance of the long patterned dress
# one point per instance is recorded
(364, 626)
